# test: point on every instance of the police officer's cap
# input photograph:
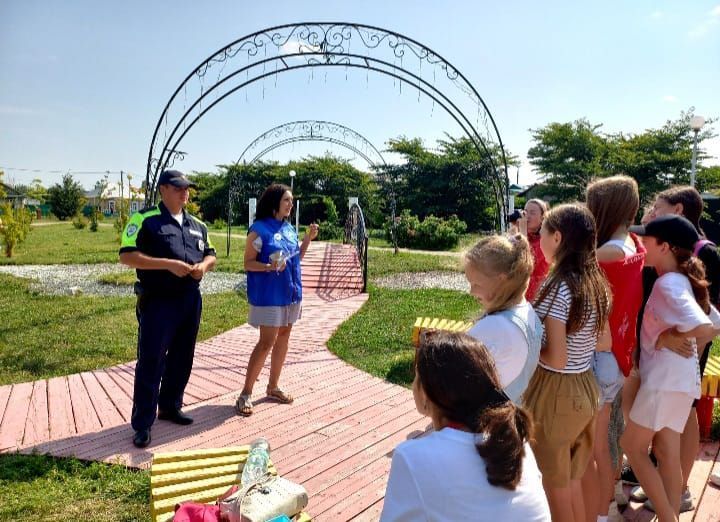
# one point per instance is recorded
(176, 178)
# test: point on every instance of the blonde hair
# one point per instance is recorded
(497, 256)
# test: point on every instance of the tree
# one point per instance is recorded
(454, 180)
(14, 227)
(66, 199)
(2, 187)
(38, 191)
(568, 156)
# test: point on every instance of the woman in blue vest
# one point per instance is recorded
(274, 288)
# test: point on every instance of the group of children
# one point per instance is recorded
(561, 353)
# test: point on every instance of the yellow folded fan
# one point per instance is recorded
(435, 323)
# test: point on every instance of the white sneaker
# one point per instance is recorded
(686, 503)
(715, 478)
(638, 494)
(614, 514)
(621, 498)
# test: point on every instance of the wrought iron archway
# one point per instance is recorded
(298, 46)
(301, 131)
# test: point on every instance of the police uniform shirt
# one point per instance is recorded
(156, 233)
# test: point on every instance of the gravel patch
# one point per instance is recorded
(415, 280)
(82, 279)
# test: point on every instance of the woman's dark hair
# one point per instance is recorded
(576, 264)
(691, 201)
(694, 269)
(458, 375)
(270, 201)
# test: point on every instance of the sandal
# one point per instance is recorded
(243, 406)
(280, 396)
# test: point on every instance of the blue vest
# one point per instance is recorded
(533, 336)
(275, 288)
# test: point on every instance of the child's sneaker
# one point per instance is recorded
(638, 494)
(686, 503)
(628, 476)
(614, 514)
(715, 478)
(621, 498)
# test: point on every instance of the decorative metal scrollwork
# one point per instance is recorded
(291, 47)
(356, 235)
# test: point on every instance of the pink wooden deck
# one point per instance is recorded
(336, 439)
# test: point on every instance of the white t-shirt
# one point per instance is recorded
(505, 341)
(671, 304)
(178, 218)
(581, 343)
(441, 477)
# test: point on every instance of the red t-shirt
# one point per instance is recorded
(540, 268)
(625, 278)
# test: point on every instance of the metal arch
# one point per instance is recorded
(314, 130)
(316, 44)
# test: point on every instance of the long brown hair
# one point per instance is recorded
(497, 256)
(458, 375)
(614, 202)
(694, 269)
(576, 264)
(691, 201)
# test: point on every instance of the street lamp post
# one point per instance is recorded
(297, 202)
(696, 123)
(292, 179)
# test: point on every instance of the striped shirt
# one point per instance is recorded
(581, 344)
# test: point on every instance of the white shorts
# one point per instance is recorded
(657, 409)
(274, 315)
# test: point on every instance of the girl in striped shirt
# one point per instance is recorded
(574, 305)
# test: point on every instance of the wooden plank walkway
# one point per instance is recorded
(336, 438)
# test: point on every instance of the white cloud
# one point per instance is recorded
(294, 46)
(706, 26)
(10, 109)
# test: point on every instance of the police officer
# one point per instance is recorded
(171, 252)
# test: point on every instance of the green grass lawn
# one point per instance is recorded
(34, 487)
(45, 336)
(377, 338)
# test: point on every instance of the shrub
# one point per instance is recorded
(330, 228)
(433, 233)
(14, 227)
(79, 222)
(95, 216)
(219, 224)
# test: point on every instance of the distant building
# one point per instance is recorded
(109, 201)
(16, 199)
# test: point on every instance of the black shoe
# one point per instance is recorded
(176, 416)
(142, 438)
(628, 476)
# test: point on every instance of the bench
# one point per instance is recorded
(435, 323)
(710, 390)
(197, 475)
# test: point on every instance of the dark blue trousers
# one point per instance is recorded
(167, 331)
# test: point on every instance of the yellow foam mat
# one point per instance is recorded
(434, 323)
(711, 378)
(197, 475)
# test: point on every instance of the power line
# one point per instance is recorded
(66, 171)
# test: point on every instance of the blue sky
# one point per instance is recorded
(84, 82)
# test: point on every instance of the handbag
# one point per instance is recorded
(263, 501)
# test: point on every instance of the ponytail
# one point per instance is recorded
(694, 269)
(506, 427)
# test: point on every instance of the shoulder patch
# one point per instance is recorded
(132, 229)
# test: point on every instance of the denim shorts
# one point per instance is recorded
(608, 375)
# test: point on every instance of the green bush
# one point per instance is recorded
(95, 216)
(433, 233)
(219, 224)
(330, 229)
(79, 222)
(14, 227)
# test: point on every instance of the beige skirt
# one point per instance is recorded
(274, 315)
